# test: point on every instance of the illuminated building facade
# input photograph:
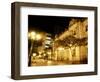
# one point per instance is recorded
(71, 45)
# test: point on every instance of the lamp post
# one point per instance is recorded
(33, 36)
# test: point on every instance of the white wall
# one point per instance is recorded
(5, 40)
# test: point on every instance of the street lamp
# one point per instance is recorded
(33, 36)
(38, 37)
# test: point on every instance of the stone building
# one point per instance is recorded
(72, 43)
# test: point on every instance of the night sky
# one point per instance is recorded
(49, 24)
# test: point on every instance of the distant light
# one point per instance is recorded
(33, 33)
(49, 62)
(49, 53)
(60, 48)
(48, 38)
(44, 54)
(70, 45)
(40, 52)
(46, 46)
(33, 37)
(34, 54)
(47, 42)
(38, 37)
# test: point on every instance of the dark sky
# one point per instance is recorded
(49, 24)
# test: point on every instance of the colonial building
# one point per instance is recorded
(72, 45)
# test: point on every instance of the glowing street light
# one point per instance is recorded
(32, 35)
(38, 37)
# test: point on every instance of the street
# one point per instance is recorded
(45, 62)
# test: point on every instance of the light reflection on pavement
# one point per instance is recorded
(44, 62)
